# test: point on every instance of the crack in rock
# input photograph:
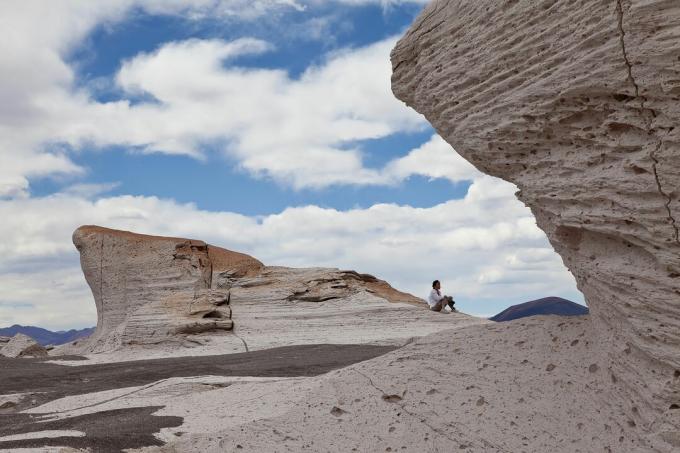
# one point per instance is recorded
(622, 35)
(669, 199)
(239, 337)
(648, 123)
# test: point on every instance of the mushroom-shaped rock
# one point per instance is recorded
(21, 345)
(578, 104)
(149, 288)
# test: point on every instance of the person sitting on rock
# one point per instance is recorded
(437, 301)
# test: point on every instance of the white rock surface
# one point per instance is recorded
(43, 435)
(577, 104)
(159, 297)
(21, 345)
(355, 320)
(531, 385)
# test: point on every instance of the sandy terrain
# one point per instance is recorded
(110, 426)
(529, 385)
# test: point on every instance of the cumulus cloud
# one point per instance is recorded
(434, 159)
(37, 93)
(297, 131)
(301, 132)
(386, 4)
(272, 124)
(485, 248)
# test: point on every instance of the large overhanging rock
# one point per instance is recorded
(578, 104)
(152, 290)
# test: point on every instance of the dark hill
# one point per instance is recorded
(44, 336)
(545, 306)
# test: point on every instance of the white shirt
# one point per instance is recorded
(435, 296)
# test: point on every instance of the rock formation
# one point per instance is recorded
(21, 345)
(151, 290)
(148, 289)
(578, 105)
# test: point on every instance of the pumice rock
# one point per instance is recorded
(21, 345)
(150, 290)
(578, 105)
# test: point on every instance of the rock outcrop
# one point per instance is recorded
(21, 345)
(577, 103)
(150, 290)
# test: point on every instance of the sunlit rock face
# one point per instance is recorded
(152, 290)
(148, 289)
(577, 103)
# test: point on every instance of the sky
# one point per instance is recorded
(263, 126)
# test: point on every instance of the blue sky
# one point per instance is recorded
(267, 127)
(217, 182)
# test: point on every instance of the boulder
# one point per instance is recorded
(576, 104)
(21, 345)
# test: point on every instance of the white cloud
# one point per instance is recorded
(37, 96)
(384, 3)
(90, 190)
(297, 131)
(485, 248)
(54, 298)
(434, 159)
(272, 124)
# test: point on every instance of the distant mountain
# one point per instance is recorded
(44, 336)
(545, 306)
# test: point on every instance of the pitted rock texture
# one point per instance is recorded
(21, 345)
(151, 290)
(577, 103)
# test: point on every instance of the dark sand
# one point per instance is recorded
(113, 431)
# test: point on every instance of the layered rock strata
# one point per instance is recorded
(577, 104)
(150, 290)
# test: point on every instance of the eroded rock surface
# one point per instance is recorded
(21, 345)
(151, 290)
(523, 386)
(577, 103)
